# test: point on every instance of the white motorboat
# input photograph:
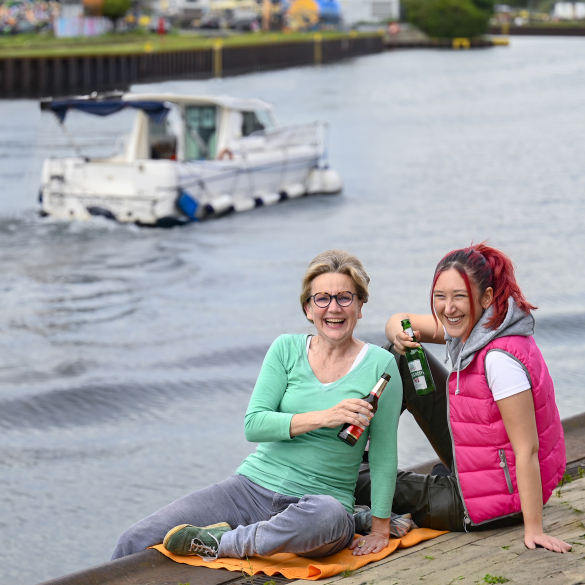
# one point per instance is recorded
(186, 158)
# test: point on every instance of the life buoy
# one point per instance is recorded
(394, 28)
(225, 152)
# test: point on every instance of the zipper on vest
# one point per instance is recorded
(466, 520)
(504, 466)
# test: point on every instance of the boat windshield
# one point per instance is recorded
(256, 122)
(200, 132)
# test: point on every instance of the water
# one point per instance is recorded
(127, 356)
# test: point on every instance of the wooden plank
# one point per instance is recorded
(42, 76)
(467, 558)
(8, 77)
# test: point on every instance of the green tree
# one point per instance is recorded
(448, 19)
(485, 5)
(115, 9)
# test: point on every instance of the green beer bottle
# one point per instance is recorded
(418, 364)
(351, 433)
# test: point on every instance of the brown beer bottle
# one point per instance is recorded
(351, 433)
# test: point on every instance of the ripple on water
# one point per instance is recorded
(127, 355)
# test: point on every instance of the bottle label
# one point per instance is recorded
(415, 366)
(409, 332)
(420, 383)
(355, 432)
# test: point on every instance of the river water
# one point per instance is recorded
(128, 355)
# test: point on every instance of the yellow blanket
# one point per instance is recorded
(293, 567)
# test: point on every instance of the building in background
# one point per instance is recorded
(369, 11)
(569, 11)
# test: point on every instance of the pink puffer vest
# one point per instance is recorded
(486, 466)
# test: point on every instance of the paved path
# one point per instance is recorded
(465, 559)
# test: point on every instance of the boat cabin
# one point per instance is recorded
(181, 128)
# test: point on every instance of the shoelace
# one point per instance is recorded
(207, 553)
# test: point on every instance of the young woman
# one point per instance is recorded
(506, 453)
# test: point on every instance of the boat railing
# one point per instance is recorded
(282, 137)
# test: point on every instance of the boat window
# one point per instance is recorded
(162, 139)
(200, 132)
(256, 122)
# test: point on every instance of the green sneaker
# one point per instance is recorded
(187, 540)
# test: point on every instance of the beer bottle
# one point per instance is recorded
(418, 364)
(350, 433)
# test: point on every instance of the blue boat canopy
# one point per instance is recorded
(157, 111)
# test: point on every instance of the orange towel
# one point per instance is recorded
(293, 567)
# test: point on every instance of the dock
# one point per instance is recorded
(406, 36)
(492, 556)
(79, 73)
(456, 558)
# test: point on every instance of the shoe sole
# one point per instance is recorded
(176, 529)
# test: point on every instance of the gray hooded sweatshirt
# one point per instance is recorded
(516, 322)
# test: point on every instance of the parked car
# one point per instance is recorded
(210, 21)
(242, 19)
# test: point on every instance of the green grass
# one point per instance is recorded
(37, 45)
(492, 579)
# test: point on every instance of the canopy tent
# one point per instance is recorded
(157, 111)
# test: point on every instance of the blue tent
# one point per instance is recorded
(157, 111)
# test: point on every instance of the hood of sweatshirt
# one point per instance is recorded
(516, 322)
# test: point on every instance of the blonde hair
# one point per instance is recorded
(340, 262)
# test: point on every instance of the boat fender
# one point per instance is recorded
(295, 190)
(220, 205)
(283, 195)
(244, 204)
(270, 198)
(225, 153)
(188, 205)
(219, 212)
(259, 202)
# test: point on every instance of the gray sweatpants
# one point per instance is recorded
(264, 522)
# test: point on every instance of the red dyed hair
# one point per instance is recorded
(482, 266)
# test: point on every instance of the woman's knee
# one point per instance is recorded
(326, 511)
(128, 543)
(139, 537)
(327, 505)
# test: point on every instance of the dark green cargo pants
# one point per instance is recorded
(434, 501)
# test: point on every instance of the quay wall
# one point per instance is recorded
(82, 74)
(549, 31)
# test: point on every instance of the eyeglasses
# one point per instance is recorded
(323, 300)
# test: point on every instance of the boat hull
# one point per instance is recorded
(148, 192)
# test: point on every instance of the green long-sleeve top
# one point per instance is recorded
(318, 462)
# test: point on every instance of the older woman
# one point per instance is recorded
(295, 493)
